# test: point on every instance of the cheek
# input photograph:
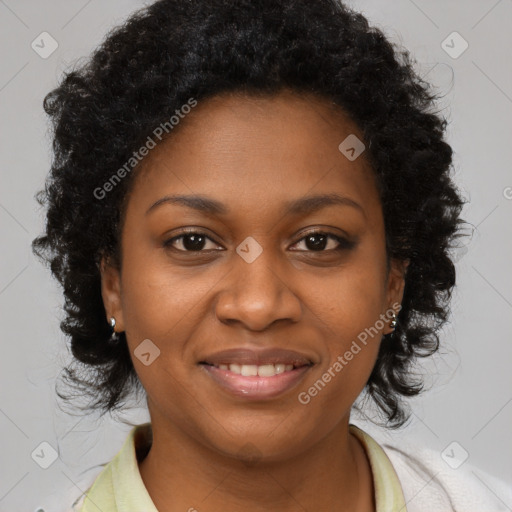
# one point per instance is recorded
(166, 305)
(349, 308)
(352, 298)
(160, 305)
(157, 297)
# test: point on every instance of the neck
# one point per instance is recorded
(180, 473)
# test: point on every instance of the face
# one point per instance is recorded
(257, 265)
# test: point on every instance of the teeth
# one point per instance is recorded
(268, 370)
(249, 370)
(252, 370)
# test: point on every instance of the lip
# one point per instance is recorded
(254, 387)
(257, 357)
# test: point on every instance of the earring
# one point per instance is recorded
(392, 324)
(114, 337)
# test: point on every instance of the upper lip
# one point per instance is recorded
(257, 357)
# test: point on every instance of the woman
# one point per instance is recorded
(250, 212)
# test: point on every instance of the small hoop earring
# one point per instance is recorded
(392, 324)
(112, 322)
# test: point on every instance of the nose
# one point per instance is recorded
(257, 295)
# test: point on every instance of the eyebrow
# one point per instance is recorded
(304, 205)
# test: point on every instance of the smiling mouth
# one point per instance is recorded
(253, 370)
(256, 382)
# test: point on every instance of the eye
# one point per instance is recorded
(191, 241)
(318, 241)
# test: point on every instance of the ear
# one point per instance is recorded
(111, 292)
(396, 285)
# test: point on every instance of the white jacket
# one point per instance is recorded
(429, 484)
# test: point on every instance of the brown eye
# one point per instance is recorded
(191, 241)
(320, 241)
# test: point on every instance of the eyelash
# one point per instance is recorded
(344, 244)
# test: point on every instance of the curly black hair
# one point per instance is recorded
(173, 50)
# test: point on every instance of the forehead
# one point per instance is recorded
(247, 150)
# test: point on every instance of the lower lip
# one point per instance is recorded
(255, 387)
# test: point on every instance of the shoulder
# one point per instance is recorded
(120, 480)
(430, 483)
(92, 484)
(101, 485)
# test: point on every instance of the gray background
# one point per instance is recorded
(471, 382)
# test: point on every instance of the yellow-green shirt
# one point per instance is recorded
(120, 488)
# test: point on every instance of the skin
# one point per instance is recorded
(253, 155)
